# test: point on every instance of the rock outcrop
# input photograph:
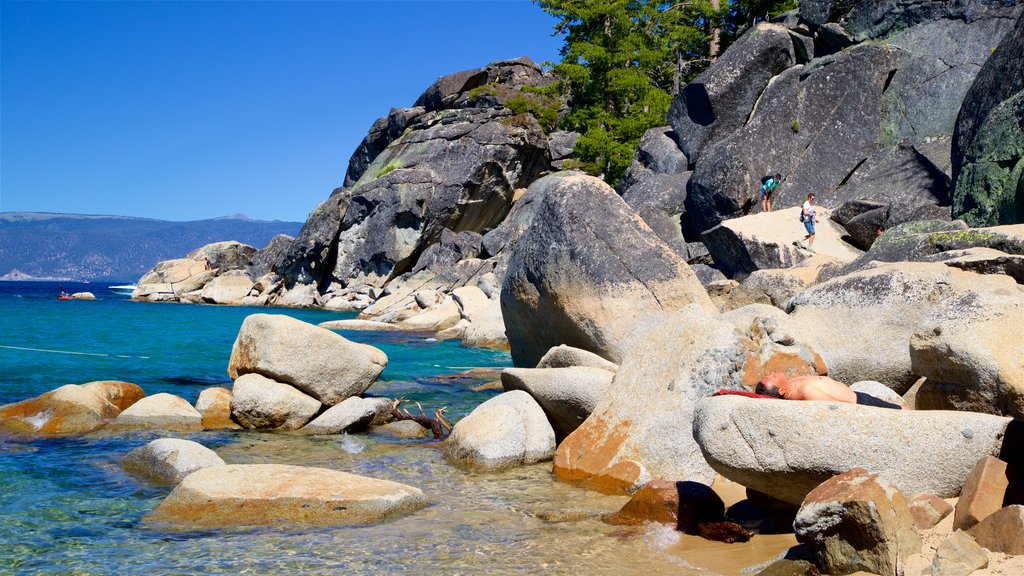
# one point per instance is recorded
(988, 144)
(161, 412)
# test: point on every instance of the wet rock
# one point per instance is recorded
(400, 429)
(263, 404)
(567, 395)
(506, 431)
(609, 271)
(786, 448)
(352, 414)
(70, 409)
(264, 494)
(170, 460)
(982, 494)
(160, 411)
(329, 368)
(656, 501)
(857, 521)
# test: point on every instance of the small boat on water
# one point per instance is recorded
(64, 296)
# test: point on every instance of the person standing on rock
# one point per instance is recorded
(809, 217)
(768, 185)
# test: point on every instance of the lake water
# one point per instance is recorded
(68, 507)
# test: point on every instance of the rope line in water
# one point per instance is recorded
(70, 352)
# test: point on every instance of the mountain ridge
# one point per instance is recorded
(111, 247)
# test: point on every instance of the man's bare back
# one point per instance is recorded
(808, 388)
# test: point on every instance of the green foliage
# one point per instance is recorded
(389, 168)
(624, 60)
(794, 124)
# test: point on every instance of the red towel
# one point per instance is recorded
(724, 392)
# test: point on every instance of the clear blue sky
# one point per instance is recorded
(192, 110)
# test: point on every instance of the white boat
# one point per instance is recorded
(123, 289)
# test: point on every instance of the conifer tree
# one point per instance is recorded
(622, 62)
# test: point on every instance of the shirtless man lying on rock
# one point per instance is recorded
(816, 388)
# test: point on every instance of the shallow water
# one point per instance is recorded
(67, 506)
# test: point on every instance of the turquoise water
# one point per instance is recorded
(67, 506)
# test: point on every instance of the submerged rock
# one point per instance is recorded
(170, 460)
(264, 494)
(70, 409)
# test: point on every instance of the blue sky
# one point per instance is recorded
(192, 110)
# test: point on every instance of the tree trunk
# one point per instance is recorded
(716, 36)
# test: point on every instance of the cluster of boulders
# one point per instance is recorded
(288, 376)
(626, 309)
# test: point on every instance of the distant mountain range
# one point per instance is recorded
(118, 248)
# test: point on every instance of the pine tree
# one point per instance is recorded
(624, 60)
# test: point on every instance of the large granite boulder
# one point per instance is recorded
(657, 153)
(563, 356)
(170, 460)
(988, 145)
(758, 241)
(720, 99)
(660, 199)
(567, 395)
(506, 431)
(976, 366)
(869, 19)
(162, 412)
(786, 447)
(641, 429)
(586, 272)
(862, 323)
(260, 403)
(452, 169)
(70, 409)
(267, 494)
(319, 362)
(858, 521)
